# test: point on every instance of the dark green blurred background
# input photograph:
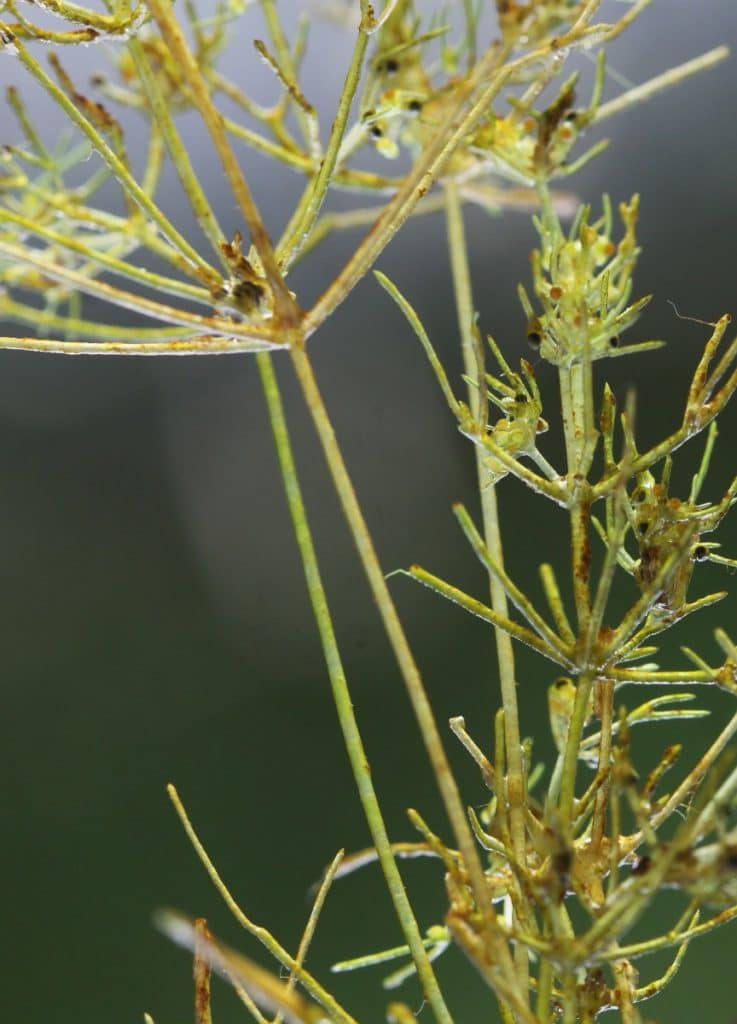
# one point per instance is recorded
(155, 622)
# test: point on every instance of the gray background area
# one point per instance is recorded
(155, 625)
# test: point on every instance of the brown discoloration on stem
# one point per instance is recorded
(582, 568)
(202, 973)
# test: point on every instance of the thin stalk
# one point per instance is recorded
(138, 304)
(113, 24)
(201, 976)
(417, 184)
(555, 603)
(341, 693)
(140, 231)
(638, 949)
(580, 557)
(573, 396)
(309, 932)
(518, 597)
(80, 328)
(284, 56)
(664, 81)
(570, 997)
(174, 38)
(570, 757)
(578, 421)
(202, 344)
(159, 282)
(324, 998)
(544, 991)
(492, 531)
(689, 785)
(293, 158)
(155, 153)
(625, 978)
(122, 174)
(553, 489)
(177, 151)
(601, 804)
(308, 209)
(482, 611)
(410, 672)
(376, 23)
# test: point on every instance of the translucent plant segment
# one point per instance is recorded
(466, 106)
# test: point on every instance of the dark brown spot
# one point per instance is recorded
(534, 332)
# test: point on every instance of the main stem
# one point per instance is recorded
(341, 693)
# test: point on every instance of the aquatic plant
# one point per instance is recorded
(547, 880)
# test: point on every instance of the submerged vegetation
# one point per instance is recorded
(545, 883)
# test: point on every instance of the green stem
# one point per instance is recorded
(580, 520)
(122, 174)
(341, 693)
(601, 805)
(570, 757)
(544, 991)
(467, 106)
(175, 40)
(334, 1010)
(570, 997)
(119, 266)
(515, 781)
(492, 529)
(177, 151)
(284, 56)
(305, 216)
(20, 312)
(236, 336)
(498, 949)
